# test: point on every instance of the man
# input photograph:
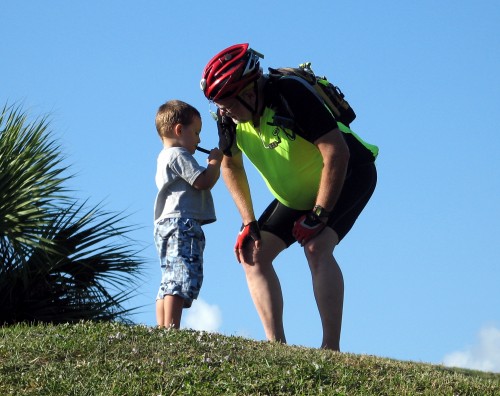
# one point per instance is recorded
(321, 174)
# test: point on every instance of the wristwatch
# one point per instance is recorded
(320, 211)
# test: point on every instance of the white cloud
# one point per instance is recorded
(484, 356)
(202, 316)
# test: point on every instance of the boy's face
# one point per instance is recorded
(189, 137)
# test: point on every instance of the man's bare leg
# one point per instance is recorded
(264, 285)
(328, 285)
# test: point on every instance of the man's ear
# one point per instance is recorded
(248, 95)
(178, 129)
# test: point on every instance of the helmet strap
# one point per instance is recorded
(246, 105)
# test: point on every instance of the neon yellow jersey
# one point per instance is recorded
(371, 147)
(289, 164)
(291, 170)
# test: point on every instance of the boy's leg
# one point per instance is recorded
(160, 313)
(172, 311)
(181, 245)
(169, 311)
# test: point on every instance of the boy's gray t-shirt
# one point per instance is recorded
(176, 172)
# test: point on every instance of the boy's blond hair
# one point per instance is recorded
(172, 113)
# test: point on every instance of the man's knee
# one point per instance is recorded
(321, 246)
(269, 248)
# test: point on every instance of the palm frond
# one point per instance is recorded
(61, 262)
(31, 177)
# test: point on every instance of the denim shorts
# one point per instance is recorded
(180, 243)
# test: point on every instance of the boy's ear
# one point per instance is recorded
(178, 129)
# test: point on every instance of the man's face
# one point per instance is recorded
(233, 108)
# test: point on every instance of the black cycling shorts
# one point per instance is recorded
(358, 188)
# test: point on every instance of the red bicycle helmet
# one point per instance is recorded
(231, 70)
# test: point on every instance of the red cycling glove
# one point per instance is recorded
(249, 231)
(307, 227)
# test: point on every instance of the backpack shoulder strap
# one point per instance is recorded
(331, 95)
(283, 116)
(294, 71)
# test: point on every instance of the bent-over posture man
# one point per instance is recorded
(320, 173)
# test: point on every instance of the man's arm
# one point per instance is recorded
(235, 178)
(335, 153)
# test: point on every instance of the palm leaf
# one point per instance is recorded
(31, 177)
(60, 261)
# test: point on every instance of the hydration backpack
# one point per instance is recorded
(329, 93)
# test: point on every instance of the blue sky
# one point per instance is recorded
(420, 265)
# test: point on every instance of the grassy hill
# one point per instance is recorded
(116, 359)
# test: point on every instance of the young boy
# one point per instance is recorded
(183, 204)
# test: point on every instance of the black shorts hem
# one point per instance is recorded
(358, 188)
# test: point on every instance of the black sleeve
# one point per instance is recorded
(308, 111)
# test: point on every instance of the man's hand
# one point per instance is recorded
(227, 133)
(307, 227)
(247, 232)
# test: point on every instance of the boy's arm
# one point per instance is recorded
(207, 179)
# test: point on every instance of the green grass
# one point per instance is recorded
(118, 359)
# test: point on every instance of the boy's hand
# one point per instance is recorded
(215, 155)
